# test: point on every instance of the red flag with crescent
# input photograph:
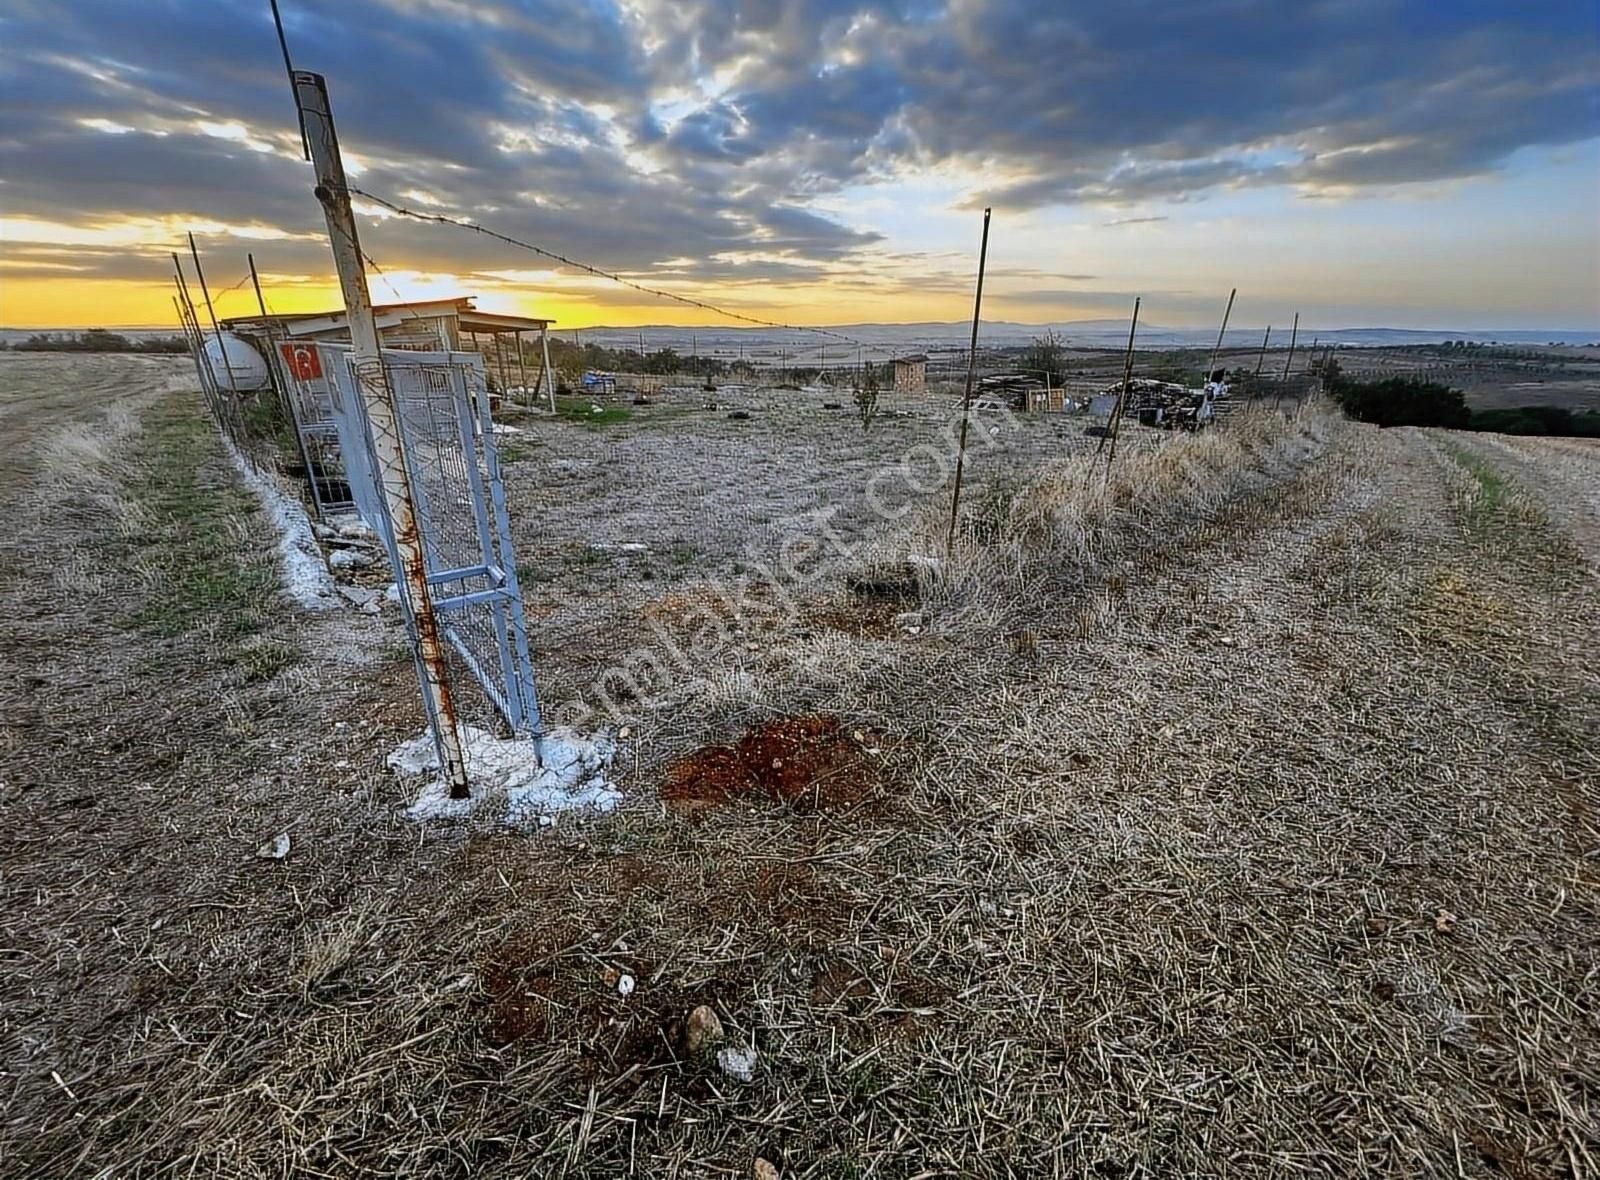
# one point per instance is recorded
(302, 360)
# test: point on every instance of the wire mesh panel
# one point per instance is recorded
(310, 393)
(343, 432)
(442, 412)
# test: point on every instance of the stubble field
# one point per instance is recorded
(1239, 815)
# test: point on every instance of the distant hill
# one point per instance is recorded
(881, 339)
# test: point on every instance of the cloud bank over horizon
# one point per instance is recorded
(1400, 162)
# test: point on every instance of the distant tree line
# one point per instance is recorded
(571, 361)
(97, 340)
(1408, 401)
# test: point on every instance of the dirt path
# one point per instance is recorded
(1562, 473)
(1267, 849)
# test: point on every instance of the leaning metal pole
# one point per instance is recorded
(377, 397)
(208, 379)
(1294, 334)
(285, 398)
(216, 328)
(972, 367)
(1221, 332)
(1122, 394)
(549, 377)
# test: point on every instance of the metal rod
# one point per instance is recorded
(500, 363)
(522, 368)
(194, 354)
(208, 379)
(255, 281)
(1265, 336)
(511, 606)
(212, 313)
(1221, 332)
(284, 396)
(378, 400)
(549, 377)
(1122, 394)
(1277, 398)
(288, 68)
(972, 368)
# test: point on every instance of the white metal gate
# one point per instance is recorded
(447, 438)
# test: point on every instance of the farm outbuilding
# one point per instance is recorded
(289, 345)
(911, 374)
(443, 325)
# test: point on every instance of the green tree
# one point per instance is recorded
(1401, 401)
(1047, 354)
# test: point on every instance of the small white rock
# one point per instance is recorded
(349, 559)
(625, 985)
(738, 1064)
(276, 848)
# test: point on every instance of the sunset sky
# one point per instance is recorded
(1367, 162)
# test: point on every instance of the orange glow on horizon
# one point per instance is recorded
(42, 303)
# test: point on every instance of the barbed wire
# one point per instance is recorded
(598, 272)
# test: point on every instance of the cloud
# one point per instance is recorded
(636, 134)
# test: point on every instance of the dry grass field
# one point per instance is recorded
(1238, 816)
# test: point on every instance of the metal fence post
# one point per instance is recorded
(372, 384)
(549, 377)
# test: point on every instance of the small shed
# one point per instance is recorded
(436, 324)
(306, 391)
(911, 374)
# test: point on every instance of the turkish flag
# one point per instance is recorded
(302, 360)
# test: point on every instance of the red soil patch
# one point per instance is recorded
(538, 996)
(869, 620)
(804, 760)
(695, 606)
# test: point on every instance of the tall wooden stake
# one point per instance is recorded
(1221, 332)
(972, 369)
(1122, 394)
(372, 380)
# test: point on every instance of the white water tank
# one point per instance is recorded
(235, 364)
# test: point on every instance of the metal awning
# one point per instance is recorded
(468, 319)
